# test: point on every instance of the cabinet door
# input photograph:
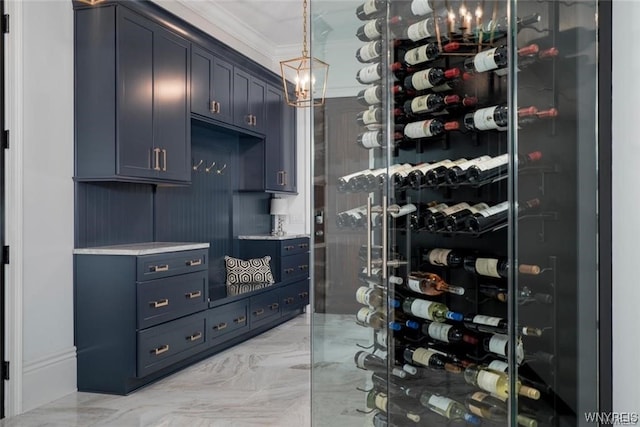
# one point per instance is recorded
(288, 147)
(222, 82)
(211, 86)
(274, 174)
(171, 105)
(241, 83)
(257, 94)
(135, 156)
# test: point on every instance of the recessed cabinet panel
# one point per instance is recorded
(241, 115)
(274, 173)
(211, 86)
(223, 90)
(257, 94)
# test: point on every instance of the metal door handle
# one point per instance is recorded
(220, 326)
(160, 350)
(368, 236)
(192, 295)
(164, 160)
(159, 303)
(274, 306)
(195, 336)
(289, 247)
(303, 266)
(284, 177)
(249, 120)
(240, 319)
(158, 268)
(303, 294)
(259, 312)
(384, 237)
(212, 107)
(156, 163)
(193, 262)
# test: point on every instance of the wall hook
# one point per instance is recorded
(208, 169)
(219, 171)
(196, 167)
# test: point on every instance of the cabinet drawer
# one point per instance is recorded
(165, 344)
(227, 321)
(294, 246)
(264, 307)
(295, 266)
(294, 296)
(172, 297)
(171, 264)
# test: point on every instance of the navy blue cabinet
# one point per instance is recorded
(211, 86)
(280, 147)
(249, 95)
(132, 99)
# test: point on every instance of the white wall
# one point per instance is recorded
(626, 205)
(40, 219)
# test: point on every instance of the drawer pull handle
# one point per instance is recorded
(303, 294)
(158, 268)
(195, 336)
(193, 262)
(288, 247)
(303, 245)
(220, 326)
(192, 295)
(303, 266)
(160, 350)
(240, 319)
(274, 306)
(290, 300)
(259, 312)
(290, 270)
(161, 303)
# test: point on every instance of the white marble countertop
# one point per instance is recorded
(270, 237)
(147, 248)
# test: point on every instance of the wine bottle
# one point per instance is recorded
(497, 28)
(370, 30)
(496, 382)
(371, 362)
(436, 221)
(458, 173)
(495, 267)
(430, 310)
(371, 95)
(494, 58)
(371, 9)
(417, 177)
(347, 219)
(369, 52)
(455, 221)
(345, 184)
(369, 74)
(499, 343)
(425, 357)
(442, 257)
(497, 215)
(426, 53)
(371, 139)
(381, 382)
(457, 108)
(524, 295)
(377, 178)
(427, 79)
(526, 61)
(379, 400)
(375, 277)
(431, 284)
(447, 407)
(493, 118)
(437, 176)
(490, 324)
(447, 333)
(429, 103)
(493, 408)
(372, 297)
(368, 317)
(453, 84)
(397, 211)
(539, 115)
(399, 178)
(418, 220)
(498, 165)
(369, 117)
(427, 29)
(428, 128)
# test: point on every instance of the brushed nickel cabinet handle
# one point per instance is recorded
(249, 120)
(240, 319)
(160, 350)
(274, 306)
(303, 266)
(303, 245)
(212, 106)
(164, 160)
(303, 294)
(259, 312)
(290, 300)
(159, 303)
(194, 262)
(284, 179)
(156, 162)
(289, 247)
(217, 107)
(158, 268)
(192, 295)
(255, 121)
(220, 326)
(195, 336)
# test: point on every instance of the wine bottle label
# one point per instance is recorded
(438, 208)
(476, 411)
(369, 116)
(440, 402)
(370, 139)
(420, 308)
(413, 284)
(501, 207)
(371, 96)
(381, 401)
(422, 356)
(439, 256)
(428, 166)
(364, 315)
(487, 320)
(421, 103)
(488, 381)
(369, 51)
(371, 30)
(498, 365)
(485, 61)
(466, 165)
(480, 396)
(478, 207)
(418, 55)
(404, 210)
(361, 359)
(493, 163)
(369, 7)
(487, 267)
(420, 80)
(363, 295)
(419, 30)
(369, 74)
(483, 119)
(498, 344)
(421, 7)
(455, 208)
(439, 331)
(381, 338)
(418, 129)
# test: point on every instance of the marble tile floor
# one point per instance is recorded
(265, 381)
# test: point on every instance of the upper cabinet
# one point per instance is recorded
(132, 120)
(211, 86)
(249, 99)
(280, 144)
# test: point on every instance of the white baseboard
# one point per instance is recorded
(49, 379)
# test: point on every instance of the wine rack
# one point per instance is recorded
(467, 283)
